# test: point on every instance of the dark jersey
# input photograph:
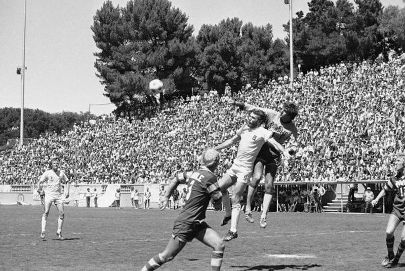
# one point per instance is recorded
(398, 186)
(198, 196)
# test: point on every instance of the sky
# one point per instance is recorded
(60, 73)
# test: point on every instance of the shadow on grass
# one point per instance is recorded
(280, 267)
(66, 239)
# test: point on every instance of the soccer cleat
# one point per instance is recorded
(225, 220)
(249, 217)
(387, 260)
(230, 235)
(59, 234)
(42, 235)
(263, 222)
(392, 263)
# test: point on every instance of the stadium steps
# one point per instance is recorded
(336, 205)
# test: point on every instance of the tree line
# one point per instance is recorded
(36, 122)
(148, 39)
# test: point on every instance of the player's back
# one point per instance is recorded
(198, 197)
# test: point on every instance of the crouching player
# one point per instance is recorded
(396, 216)
(54, 178)
(190, 224)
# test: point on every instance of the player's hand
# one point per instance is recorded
(374, 202)
(67, 196)
(286, 154)
(163, 203)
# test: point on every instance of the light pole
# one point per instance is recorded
(23, 80)
(291, 46)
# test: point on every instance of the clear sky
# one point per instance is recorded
(59, 46)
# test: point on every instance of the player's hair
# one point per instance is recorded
(291, 109)
(210, 158)
(262, 116)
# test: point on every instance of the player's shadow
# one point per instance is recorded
(280, 267)
(66, 239)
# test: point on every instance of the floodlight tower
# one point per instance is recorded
(22, 70)
(289, 3)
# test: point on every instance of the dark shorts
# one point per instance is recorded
(186, 231)
(268, 155)
(398, 209)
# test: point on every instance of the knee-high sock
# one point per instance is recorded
(227, 204)
(390, 246)
(43, 222)
(266, 204)
(216, 260)
(235, 216)
(400, 250)
(60, 224)
(153, 264)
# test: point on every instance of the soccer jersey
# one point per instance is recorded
(53, 181)
(252, 140)
(198, 196)
(399, 187)
(282, 131)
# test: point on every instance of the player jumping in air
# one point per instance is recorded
(190, 224)
(54, 178)
(397, 215)
(269, 157)
(252, 137)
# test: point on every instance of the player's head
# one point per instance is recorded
(290, 111)
(210, 159)
(256, 118)
(54, 164)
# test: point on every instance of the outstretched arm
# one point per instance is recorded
(278, 147)
(228, 143)
(175, 181)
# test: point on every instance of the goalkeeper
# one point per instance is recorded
(283, 126)
(396, 216)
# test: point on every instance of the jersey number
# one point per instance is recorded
(189, 189)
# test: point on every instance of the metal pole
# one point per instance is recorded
(277, 197)
(291, 47)
(23, 80)
(384, 205)
(341, 196)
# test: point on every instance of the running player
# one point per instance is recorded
(397, 214)
(269, 157)
(252, 137)
(190, 224)
(54, 178)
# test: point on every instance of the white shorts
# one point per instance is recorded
(242, 175)
(53, 198)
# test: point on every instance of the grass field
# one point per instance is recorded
(110, 239)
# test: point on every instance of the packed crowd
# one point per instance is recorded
(350, 124)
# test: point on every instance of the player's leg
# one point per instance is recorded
(225, 182)
(393, 222)
(61, 218)
(47, 207)
(237, 194)
(270, 172)
(212, 239)
(257, 175)
(401, 248)
(173, 248)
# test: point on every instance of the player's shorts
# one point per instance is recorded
(398, 209)
(186, 231)
(268, 155)
(53, 198)
(242, 175)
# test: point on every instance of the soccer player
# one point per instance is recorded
(269, 157)
(54, 178)
(190, 224)
(252, 136)
(397, 214)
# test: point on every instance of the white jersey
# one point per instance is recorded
(53, 181)
(250, 144)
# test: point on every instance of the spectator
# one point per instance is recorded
(95, 195)
(368, 198)
(147, 196)
(118, 199)
(88, 197)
